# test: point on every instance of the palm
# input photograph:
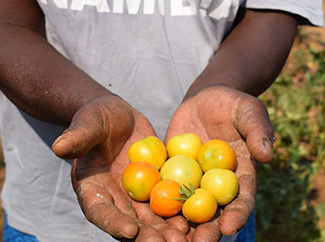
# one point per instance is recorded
(96, 177)
(99, 138)
(242, 121)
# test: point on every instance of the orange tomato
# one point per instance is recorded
(163, 198)
(182, 169)
(150, 149)
(216, 154)
(138, 179)
(223, 183)
(187, 144)
(200, 207)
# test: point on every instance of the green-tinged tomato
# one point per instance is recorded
(150, 149)
(183, 170)
(223, 183)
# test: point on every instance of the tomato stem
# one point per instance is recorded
(186, 192)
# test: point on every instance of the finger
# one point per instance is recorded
(253, 123)
(146, 234)
(207, 232)
(171, 234)
(97, 204)
(237, 212)
(180, 223)
(94, 179)
(92, 125)
(85, 131)
(74, 143)
(189, 235)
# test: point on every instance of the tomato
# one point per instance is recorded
(164, 198)
(182, 169)
(150, 149)
(138, 179)
(216, 154)
(200, 207)
(223, 183)
(187, 144)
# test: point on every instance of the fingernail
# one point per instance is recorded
(64, 135)
(232, 233)
(268, 145)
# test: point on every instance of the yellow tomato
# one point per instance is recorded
(187, 144)
(223, 183)
(216, 154)
(138, 179)
(150, 149)
(182, 169)
(200, 207)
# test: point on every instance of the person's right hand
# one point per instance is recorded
(98, 139)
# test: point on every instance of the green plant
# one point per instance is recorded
(297, 111)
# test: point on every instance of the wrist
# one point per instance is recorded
(201, 85)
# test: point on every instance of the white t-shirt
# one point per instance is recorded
(148, 52)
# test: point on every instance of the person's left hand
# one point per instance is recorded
(242, 121)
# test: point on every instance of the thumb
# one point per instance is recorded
(254, 124)
(82, 135)
(93, 124)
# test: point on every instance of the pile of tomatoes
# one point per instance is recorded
(194, 180)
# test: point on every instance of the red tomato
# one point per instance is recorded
(216, 154)
(200, 207)
(150, 149)
(182, 169)
(163, 198)
(187, 144)
(138, 179)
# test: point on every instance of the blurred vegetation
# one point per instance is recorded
(297, 111)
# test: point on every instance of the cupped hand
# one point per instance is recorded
(241, 120)
(98, 140)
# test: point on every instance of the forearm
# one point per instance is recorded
(252, 55)
(36, 78)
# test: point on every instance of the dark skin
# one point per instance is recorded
(221, 103)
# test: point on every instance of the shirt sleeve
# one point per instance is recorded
(310, 10)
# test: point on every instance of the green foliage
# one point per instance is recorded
(296, 106)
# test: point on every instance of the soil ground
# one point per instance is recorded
(316, 37)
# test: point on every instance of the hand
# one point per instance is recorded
(241, 120)
(99, 136)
